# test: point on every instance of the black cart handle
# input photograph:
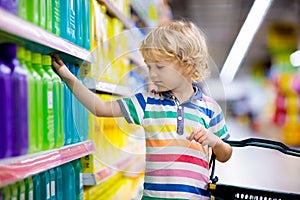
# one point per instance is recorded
(269, 144)
(258, 142)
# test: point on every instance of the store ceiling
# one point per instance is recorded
(221, 21)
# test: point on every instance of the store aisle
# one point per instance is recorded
(258, 167)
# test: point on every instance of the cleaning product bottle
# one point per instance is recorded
(67, 15)
(22, 12)
(68, 179)
(68, 119)
(79, 22)
(11, 6)
(14, 191)
(46, 64)
(52, 184)
(28, 188)
(6, 193)
(34, 82)
(56, 17)
(49, 15)
(6, 110)
(33, 11)
(8, 54)
(78, 179)
(45, 92)
(21, 189)
(57, 100)
(75, 112)
(45, 185)
(36, 186)
(31, 99)
(58, 183)
(42, 14)
(86, 24)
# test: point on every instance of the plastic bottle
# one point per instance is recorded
(78, 179)
(8, 54)
(67, 15)
(86, 24)
(56, 17)
(6, 193)
(49, 15)
(79, 22)
(14, 191)
(11, 6)
(42, 13)
(59, 183)
(28, 188)
(68, 179)
(45, 185)
(35, 138)
(31, 99)
(52, 184)
(22, 11)
(44, 93)
(36, 186)
(21, 190)
(48, 96)
(75, 116)
(68, 116)
(57, 103)
(6, 111)
(33, 11)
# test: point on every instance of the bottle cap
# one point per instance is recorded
(27, 55)
(36, 58)
(20, 52)
(46, 60)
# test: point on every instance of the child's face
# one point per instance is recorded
(167, 75)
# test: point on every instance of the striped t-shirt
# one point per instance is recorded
(176, 168)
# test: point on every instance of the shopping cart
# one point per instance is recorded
(230, 192)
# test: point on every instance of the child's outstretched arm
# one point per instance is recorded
(90, 100)
(221, 149)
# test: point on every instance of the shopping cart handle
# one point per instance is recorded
(269, 144)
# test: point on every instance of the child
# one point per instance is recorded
(181, 123)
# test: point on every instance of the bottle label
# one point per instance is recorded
(48, 191)
(22, 197)
(31, 195)
(50, 101)
(52, 188)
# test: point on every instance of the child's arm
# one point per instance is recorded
(90, 100)
(221, 149)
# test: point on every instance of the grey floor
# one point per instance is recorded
(257, 167)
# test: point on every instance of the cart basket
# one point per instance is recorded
(229, 192)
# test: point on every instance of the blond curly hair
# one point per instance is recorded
(178, 40)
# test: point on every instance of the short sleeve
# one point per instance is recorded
(133, 108)
(217, 123)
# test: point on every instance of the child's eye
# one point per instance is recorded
(160, 66)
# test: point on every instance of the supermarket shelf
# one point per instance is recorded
(18, 168)
(110, 88)
(107, 172)
(34, 38)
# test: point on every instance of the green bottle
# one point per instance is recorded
(31, 99)
(45, 104)
(78, 179)
(14, 191)
(28, 188)
(42, 14)
(57, 100)
(32, 9)
(21, 190)
(6, 193)
(56, 17)
(22, 12)
(49, 15)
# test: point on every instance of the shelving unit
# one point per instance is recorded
(15, 169)
(32, 37)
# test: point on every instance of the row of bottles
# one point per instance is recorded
(62, 182)
(38, 111)
(67, 19)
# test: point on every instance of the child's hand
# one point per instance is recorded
(58, 65)
(204, 137)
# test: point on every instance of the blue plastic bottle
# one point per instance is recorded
(45, 185)
(8, 54)
(68, 20)
(78, 23)
(52, 184)
(59, 183)
(78, 179)
(69, 192)
(6, 111)
(36, 186)
(86, 24)
(68, 119)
